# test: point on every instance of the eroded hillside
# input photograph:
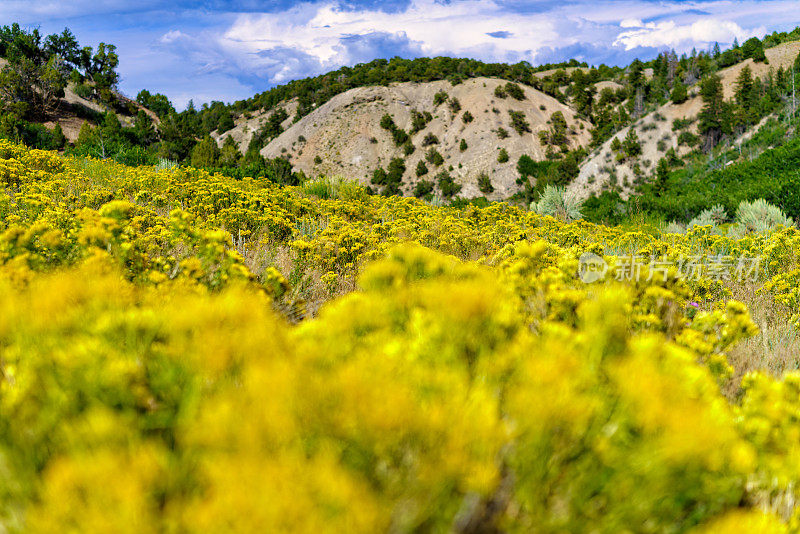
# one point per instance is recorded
(247, 126)
(344, 136)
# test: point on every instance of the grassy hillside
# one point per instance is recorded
(185, 351)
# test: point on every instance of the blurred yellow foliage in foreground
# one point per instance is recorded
(182, 352)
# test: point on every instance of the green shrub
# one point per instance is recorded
(447, 185)
(419, 121)
(430, 139)
(399, 136)
(83, 90)
(423, 189)
(387, 122)
(485, 184)
(679, 93)
(518, 122)
(514, 91)
(688, 139)
(681, 124)
(433, 157)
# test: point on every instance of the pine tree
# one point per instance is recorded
(636, 81)
(143, 128)
(711, 117)
(112, 128)
(59, 139)
(205, 153)
(225, 122)
(636, 74)
(583, 94)
(102, 68)
(558, 129)
(229, 155)
(754, 48)
(746, 97)
(85, 135)
(662, 175)
(631, 145)
(423, 189)
(672, 66)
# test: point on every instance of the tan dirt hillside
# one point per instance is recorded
(607, 84)
(71, 112)
(345, 137)
(779, 56)
(655, 130)
(246, 127)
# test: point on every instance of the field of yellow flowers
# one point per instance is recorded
(183, 352)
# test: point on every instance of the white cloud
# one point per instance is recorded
(457, 28)
(225, 49)
(669, 34)
(264, 49)
(631, 23)
(172, 36)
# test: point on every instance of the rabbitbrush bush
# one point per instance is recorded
(158, 371)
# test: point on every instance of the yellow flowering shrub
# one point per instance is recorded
(453, 372)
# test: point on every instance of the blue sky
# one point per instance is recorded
(229, 50)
